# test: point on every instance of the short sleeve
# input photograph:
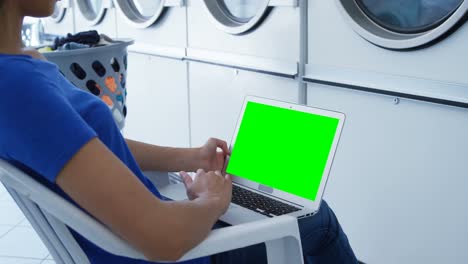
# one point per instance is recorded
(38, 126)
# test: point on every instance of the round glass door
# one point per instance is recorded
(409, 16)
(93, 10)
(241, 10)
(237, 16)
(141, 13)
(145, 9)
(403, 24)
(59, 11)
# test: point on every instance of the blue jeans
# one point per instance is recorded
(323, 241)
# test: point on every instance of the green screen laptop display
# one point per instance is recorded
(283, 148)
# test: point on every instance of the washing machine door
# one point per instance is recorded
(94, 11)
(144, 13)
(59, 11)
(240, 16)
(403, 24)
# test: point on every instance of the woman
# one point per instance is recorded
(66, 139)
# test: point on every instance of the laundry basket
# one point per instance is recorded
(101, 71)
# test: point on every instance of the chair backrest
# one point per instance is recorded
(51, 215)
(49, 237)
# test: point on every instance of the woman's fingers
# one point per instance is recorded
(186, 179)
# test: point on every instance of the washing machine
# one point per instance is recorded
(259, 35)
(158, 27)
(395, 68)
(157, 93)
(61, 22)
(97, 15)
(405, 39)
(238, 48)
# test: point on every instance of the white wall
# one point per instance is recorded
(157, 101)
(397, 183)
(399, 175)
(217, 94)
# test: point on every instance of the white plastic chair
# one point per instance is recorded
(51, 215)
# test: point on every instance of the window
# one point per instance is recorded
(403, 24)
(93, 10)
(409, 16)
(141, 13)
(241, 10)
(95, 6)
(237, 16)
(145, 8)
(59, 11)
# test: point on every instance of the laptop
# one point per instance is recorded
(281, 155)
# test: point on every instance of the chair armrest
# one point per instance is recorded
(239, 236)
(281, 233)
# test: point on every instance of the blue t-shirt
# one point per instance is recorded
(45, 120)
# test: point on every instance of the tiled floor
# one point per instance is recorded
(19, 243)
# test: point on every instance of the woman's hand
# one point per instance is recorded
(211, 186)
(210, 158)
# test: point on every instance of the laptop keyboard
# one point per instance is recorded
(260, 203)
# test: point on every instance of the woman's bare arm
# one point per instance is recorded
(163, 231)
(157, 158)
